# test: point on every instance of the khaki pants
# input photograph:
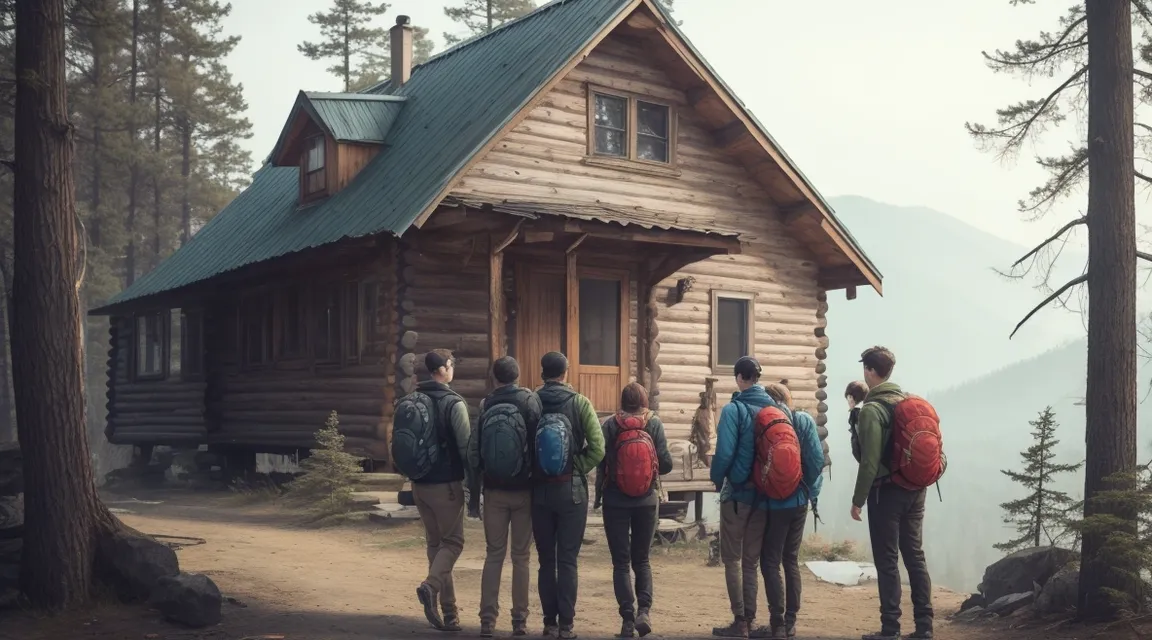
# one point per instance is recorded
(504, 510)
(741, 538)
(441, 508)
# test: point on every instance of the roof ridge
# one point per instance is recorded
(551, 4)
(367, 97)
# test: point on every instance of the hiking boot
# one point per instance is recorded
(451, 622)
(566, 633)
(550, 630)
(519, 628)
(738, 629)
(487, 629)
(627, 629)
(921, 634)
(643, 623)
(883, 635)
(767, 632)
(790, 631)
(428, 601)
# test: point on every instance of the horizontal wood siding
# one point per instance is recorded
(544, 160)
(163, 412)
(350, 159)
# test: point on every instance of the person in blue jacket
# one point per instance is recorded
(742, 522)
(786, 518)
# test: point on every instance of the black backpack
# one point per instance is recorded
(503, 440)
(416, 442)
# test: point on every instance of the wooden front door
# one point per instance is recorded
(586, 318)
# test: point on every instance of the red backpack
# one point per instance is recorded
(636, 464)
(777, 470)
(918, 459)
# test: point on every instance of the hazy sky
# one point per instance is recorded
(867, 100)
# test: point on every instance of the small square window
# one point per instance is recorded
(630, 128)
(151, 346)
(733, 328)
(651, 132)
(312, 169)
(611, 122)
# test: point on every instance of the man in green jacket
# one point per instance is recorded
(895, 514)
(560, 492)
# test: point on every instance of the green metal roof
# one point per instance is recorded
(454, 104)
(346, 117)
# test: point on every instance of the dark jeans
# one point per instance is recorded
(630, 531)
(896, 527)
(782, 541)
(558, 527)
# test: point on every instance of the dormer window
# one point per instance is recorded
(630, 128)
(312, 168)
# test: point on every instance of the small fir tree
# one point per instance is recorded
(329, 473)
(1042, 515)
(481, 16)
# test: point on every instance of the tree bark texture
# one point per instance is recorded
(63, 514)
(1111, 386)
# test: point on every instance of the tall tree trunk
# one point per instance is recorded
(491, 24)
(133, 135)
(186, 162)
(97, 123)
(347, 54)
(62, 512)
(1040, 496)
(1110, 397)
(7, 411)
(156, 164)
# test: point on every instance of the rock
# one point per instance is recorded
(11, 472)
(971, 615)
(1018, 572)
(189, 599)
(11, 512)
(137, 564)
(1026, 611)
(1061, 592)
(1009, 604)
(974, 600)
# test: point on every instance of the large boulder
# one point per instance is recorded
(1060, 593)
(1009, 604)
(189, 599)
(135, 564)
(973, 601)
(1018, 572)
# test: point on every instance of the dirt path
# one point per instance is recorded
(358, 583)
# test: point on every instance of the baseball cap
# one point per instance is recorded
(433, 361)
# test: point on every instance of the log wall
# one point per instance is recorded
(543, 159)
(160, 412)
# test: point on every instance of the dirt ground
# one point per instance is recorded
(358, 582)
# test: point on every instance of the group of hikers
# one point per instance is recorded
(532, 451)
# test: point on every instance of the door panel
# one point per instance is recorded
(539, 320)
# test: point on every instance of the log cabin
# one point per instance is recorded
(579, 179)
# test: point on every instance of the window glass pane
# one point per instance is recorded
(176, 340)
(327, 324)
(651, 149)
(149, 345)
(610, 143)
(652, 120)
(191, 348)
(732, 330)
(291, 331)
(352, 321)
(315, 153)
(610, 112)
(600, 322)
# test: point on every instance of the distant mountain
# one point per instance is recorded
(945, 312)
(985, 424)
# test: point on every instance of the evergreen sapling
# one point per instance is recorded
(330, 474)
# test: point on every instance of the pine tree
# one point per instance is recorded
(1041, 516)
(1092, 57)
(377, 63)
(329, 473)
(347, 34)
(482, 16)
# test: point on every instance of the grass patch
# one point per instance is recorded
(816, 548)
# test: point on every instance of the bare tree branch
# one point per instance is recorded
(1018, 131)
(1053, 238)
(1055, 294)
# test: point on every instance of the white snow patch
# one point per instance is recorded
(844, 573)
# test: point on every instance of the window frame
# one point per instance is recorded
(714, 337)
(280, 317)
(631, 130)
(264, 299)
(164, 317)
(193, 318)
(306, 170)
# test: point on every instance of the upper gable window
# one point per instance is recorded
(630, 127)
(314, 176)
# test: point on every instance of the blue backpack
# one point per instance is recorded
(554, 444)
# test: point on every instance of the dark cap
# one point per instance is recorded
(553, 365)
(433, 360)
(747, 368)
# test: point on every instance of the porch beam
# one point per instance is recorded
(729, 244)
(572, 284)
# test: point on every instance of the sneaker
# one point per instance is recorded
(643, 624)
(883, 635)
(428, 601)
(487, 629)
(627, 629)
(566, 633)
(451, 623)
(737, 629)
(519, 628)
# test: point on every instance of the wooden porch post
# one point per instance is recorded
(496, 295)
(572, 283)
(642, 293)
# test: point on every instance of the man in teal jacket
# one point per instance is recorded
(786, 518)
(742, 523)
(895, 514)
